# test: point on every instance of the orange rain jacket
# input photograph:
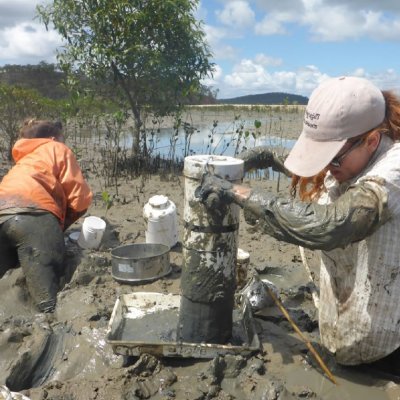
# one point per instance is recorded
(46, 176)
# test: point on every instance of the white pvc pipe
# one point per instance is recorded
(210, 242)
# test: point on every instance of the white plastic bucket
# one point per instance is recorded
(91, 233)
(162, 225)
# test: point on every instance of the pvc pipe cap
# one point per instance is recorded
(159, 201)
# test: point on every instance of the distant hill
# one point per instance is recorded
(45, 78)
(266, 98)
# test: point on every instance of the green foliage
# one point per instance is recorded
(46, 78)
(244, 108)
(16, 105)
(107, 199)
(153, 50)
(111, 152)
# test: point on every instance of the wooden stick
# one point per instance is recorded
(306, 341)
(314, 293)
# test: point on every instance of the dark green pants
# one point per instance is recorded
(36, 243)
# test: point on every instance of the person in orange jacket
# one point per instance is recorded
(41, 196)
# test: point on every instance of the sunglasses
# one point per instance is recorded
(337, 161)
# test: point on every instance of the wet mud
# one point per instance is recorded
(65, 355)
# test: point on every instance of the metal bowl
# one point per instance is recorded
(140, 262)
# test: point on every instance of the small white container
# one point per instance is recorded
(242, 265)
(243, 257)
(162, 225)
(91, 233)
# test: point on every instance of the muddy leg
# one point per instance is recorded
(40, 246)
(8, 254)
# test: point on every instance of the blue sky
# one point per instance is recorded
(259, 46)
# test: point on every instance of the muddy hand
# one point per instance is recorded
(259, 157)
(262, 157)
(214, 190)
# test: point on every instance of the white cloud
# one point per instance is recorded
(379, 26)
(294, 7)
(386, 5)
(270, 26)
(247, 73)
(16, 11)
(214, 34)
(251, 77)
(23, 40)
(332, 20)
(237, 14)
(339, 22)
(266, 61)
(308, 78)
(200, 12)
(388, 79)
(359, 72)
(274, 22)
(214, 80)
(333, 23)
(28, 43)
(214, 37)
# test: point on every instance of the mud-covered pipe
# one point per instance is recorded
(210, 242)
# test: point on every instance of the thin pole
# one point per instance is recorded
(314, 293)
(306, 341)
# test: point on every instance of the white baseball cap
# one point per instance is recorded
(338, 109)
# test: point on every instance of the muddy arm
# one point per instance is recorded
(354, 216)
(262, 157)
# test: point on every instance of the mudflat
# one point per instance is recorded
(65, 355)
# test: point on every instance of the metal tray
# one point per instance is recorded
(144, 322)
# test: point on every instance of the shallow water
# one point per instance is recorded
(220, 132)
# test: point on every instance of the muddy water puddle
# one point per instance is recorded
(351, 384)
(157, 327)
